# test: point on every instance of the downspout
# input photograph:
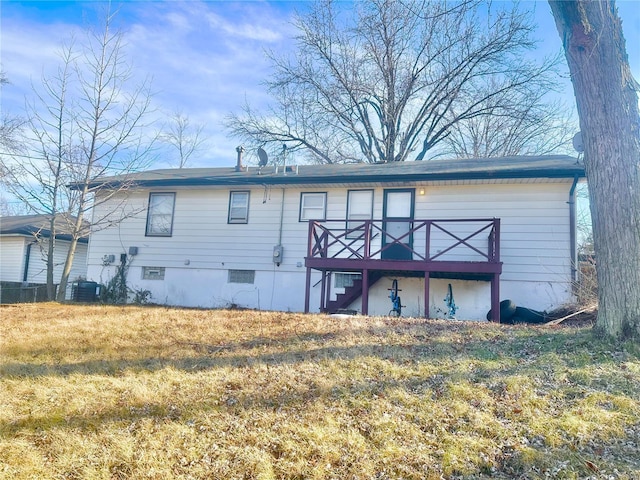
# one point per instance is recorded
(27, 257)
(278, 250)
(572, 230)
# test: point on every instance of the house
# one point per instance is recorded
(334, 237)
(24, 241)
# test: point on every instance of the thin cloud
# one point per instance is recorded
(251, 30)
(204, 58)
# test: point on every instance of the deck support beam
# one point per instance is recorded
(495, 297)
(365, 292)
(326, 290)
(426, 294)
(307, 291)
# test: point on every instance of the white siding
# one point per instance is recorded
(12, 254)
(38, 262)
(13, 250)
(79, 267)
(534, 224)
(201, 234)
(203, 246)
(37, 271)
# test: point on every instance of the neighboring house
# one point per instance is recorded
(24, 244)
(294, 240)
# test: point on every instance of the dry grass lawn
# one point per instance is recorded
(104, 392)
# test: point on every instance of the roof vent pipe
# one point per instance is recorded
(240, 150)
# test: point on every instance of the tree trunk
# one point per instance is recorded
(71, 253)
(66, 271)
(51, 245)
(607, 102)
(76, 233)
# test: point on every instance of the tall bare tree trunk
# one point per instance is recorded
(51, 246)
(76, 233)
(607, 101)
(66, 271)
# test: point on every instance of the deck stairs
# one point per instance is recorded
(351, 294)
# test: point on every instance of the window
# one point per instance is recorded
(160, 214)
(238, 207)
(241, 276)
(313, 206)
(153, 273)
(344, 280)
(359, 207)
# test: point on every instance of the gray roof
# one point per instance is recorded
(36, 225)
(548, 166)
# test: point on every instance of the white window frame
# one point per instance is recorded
(358, 209)
(314, 212)
(160, 214)
(239, 212)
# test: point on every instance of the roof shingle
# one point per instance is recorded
(548, 166)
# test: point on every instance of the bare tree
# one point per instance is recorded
(184, 137)
(522, 122)
(389, 79)
(10, 129)
(8, 208)
(38, 178)
(85, 123)
(10, 125)
(607, 101)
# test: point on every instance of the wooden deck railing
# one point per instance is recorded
(463, 240)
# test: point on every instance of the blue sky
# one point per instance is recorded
(204, 57)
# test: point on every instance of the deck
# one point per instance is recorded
(450, 248)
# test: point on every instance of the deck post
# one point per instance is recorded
(426, 294)
(323, 286)
(367, 240)
(365, 292)
(496, 223)
(495, 297)
(307, 291)
(327, 291)
(427, 244)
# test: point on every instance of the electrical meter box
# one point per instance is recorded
(277, 254)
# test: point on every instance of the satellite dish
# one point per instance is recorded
(264, 158)
(578, 145)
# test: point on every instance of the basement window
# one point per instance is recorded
(153, 273)
(345, 280)
(241, 276)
